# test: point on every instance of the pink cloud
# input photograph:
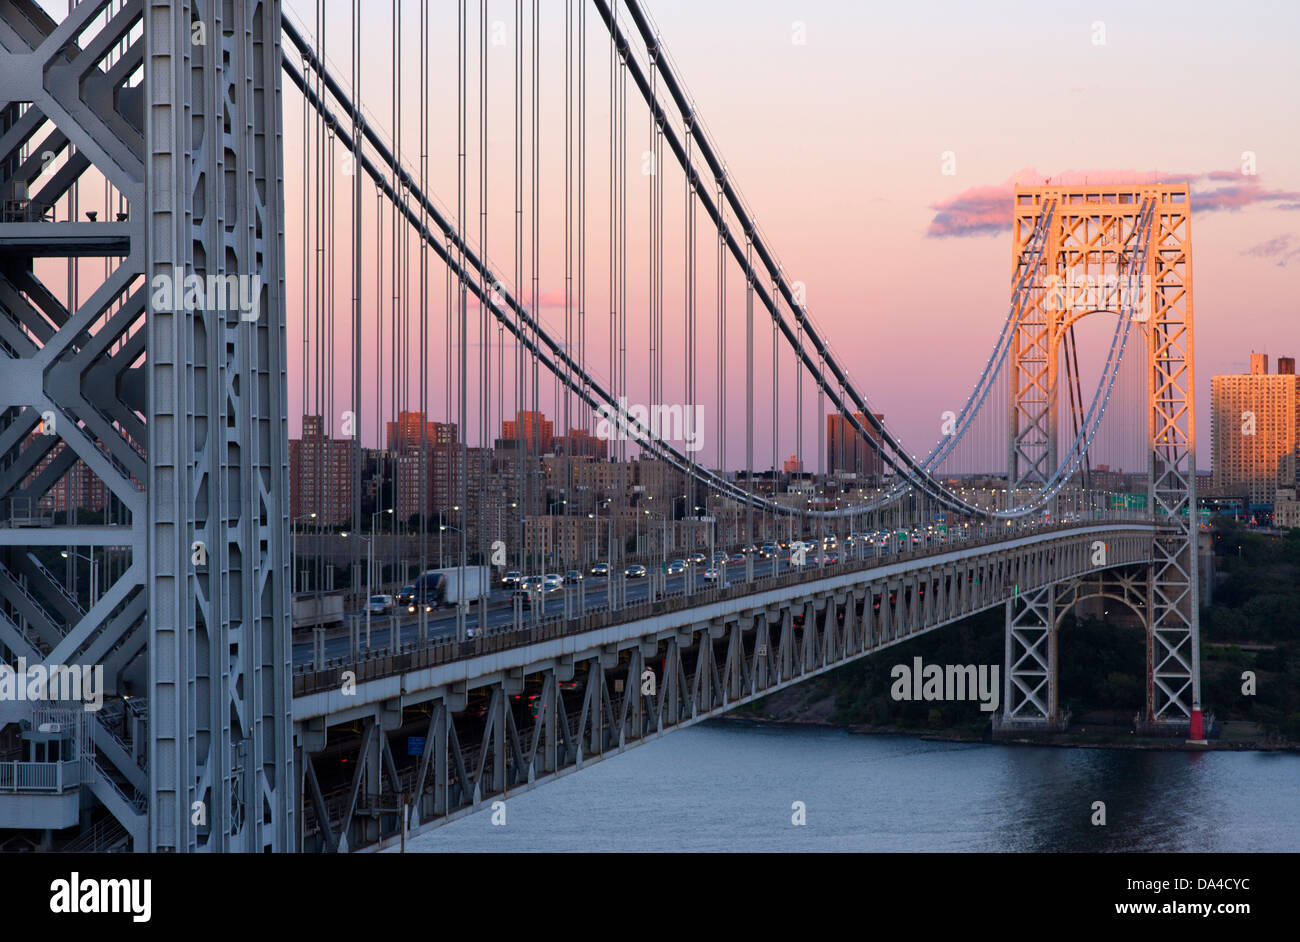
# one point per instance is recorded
(986, 210)
(1279, 248)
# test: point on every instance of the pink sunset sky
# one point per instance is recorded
(835, 119)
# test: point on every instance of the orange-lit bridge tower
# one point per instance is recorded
(1094, 232)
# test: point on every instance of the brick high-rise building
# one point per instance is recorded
(531, 427)
(405, 434)
(414, 474)
(444, 474)
(320, 474)
(580, 443)
(846, 450)
(78, 488)
(1254, 420)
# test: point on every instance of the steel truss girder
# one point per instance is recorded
(700, 670)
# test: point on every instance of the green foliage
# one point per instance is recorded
(862, 689)
(1102, 666)
(1256, 603)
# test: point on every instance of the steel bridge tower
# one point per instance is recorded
(169, 403)
(1093, 232)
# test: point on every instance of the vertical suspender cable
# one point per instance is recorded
(617, 450)
(520, 363)
(749, 377)
(485, 361)
(582, 205)
(534, 430)
(722, 333)
(485, 356)
(397, 379)
(355, 567)
(462, 337)
(318, 249)
(568, 271)
(425, 470)
(776, 401)
(688, 407)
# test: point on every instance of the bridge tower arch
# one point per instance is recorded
(1093, 231)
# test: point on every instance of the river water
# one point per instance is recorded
(733, 787)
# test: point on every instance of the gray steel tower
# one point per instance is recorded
(143, 430)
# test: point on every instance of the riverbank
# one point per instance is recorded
(795, 709)
(1070, 739)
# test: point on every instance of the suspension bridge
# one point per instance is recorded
(211, 228)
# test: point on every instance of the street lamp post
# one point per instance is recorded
(461, 603)
(441, 528)
(370, 575)
(293, 546)
(378, 513)
(94, 573)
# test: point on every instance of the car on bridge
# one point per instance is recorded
(735, 559)
(600, 569)
(554, 582)
(511, 578)
(769, 550)
(635, 571)
(677, 567)
(698, 559)
(406, 596)
(711, 574)
(527, 593)
(379, 605)
(573, 577)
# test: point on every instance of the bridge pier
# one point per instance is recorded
(1030, 687)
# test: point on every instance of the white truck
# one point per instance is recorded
(440, 588)
(317, 610)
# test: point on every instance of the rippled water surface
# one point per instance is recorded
(724, 787)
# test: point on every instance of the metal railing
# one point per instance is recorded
(53, 777)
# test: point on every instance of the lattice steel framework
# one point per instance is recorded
(1094, 232)
(218, 434)
(179, 411)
